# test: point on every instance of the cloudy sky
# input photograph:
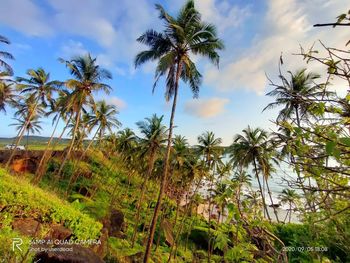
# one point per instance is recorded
(231, 97)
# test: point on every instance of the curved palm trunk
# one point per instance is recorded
(270, 195)
(165, 171)
(143, 189)
(57, 142)
(21, 134)
(77, 120)
(40, 170)
(260, 188)
(90, 143)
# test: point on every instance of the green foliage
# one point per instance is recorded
(241, 253)
(29, 201)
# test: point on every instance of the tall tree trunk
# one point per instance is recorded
(40, 171)
(90, 143)
(21, 133)
(260, 188)
(165, 171)
(77, 120)
(143, 189)
(176, 216)
(270, 195)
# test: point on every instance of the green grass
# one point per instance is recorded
(18, 198)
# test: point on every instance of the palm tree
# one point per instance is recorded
(27, 117)
(104, 118)
(221, 192)
(241, 178)
(30, 127)
(209, 147)
(88, 77)
(296, 95)
(126, 141)
(39, 87)
(5, 55)
(154, 136)
(251, 148)
(57, 108)
(7, 95)
(224, 169)
(289, 196)
(183, 36)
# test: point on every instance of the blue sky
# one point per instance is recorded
(231, 97)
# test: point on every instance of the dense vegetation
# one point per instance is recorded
(181, 202)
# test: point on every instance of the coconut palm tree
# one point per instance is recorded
(27, 116)
(209, 147)
(224, 169)
(40, 89)
(179, 156)
(87, 79)
(57, 108)
(5, 55)
(252, 148)
(126, 141)
(296, 95)
(154, 137)
(241, 179)
(104, 118)
(221, 192)
(290, 197)
(182, 36)
(31, 127)
(7, 95)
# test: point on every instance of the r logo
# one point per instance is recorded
(16, 243)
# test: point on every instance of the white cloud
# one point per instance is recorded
(222, 13)
(117, 102)
(72, 48)
(25, 17)
(206, 108)
(286, 25)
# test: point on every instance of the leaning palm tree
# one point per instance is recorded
(251, 149)
(290, 197)
(31, 127)
(39, 88)
(26, 113)
(7, 94)
(5, 55)
(154, 137)
(88, 77)
(27, 117)
(59, 111)
(182, 36)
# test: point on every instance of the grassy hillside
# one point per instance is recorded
(20, 199)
